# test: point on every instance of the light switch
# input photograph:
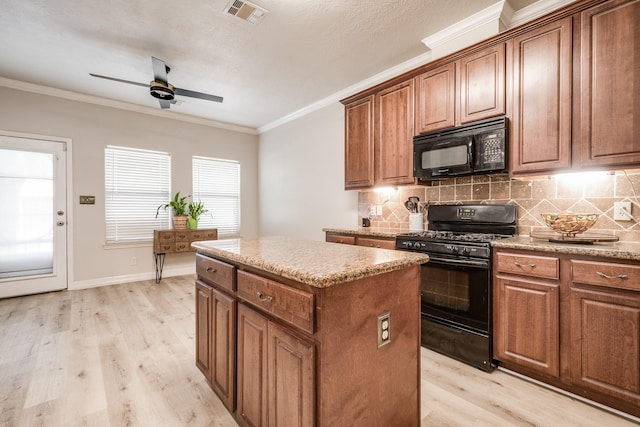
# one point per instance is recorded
(87, 200)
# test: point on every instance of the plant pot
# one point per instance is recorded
(193, 223)
(180, 222)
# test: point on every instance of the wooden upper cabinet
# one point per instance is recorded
(481, 83)
(539, 73)
(435, 99)
(609, 89)
(393, 134)
(358, 154)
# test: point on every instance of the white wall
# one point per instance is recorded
(91, 128)
(302, 177)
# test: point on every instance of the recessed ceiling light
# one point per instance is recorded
(246, 11)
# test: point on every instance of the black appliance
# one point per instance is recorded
(475, 148)
(455, 285)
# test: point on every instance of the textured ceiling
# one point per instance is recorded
(303, 50)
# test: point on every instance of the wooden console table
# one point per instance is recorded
(177, 241)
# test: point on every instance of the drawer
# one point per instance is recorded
(183, 246)
(197, 236)
(216, 272)
(164, 247)
(211, 234)
(284, 302)
(182, 236)
(621, 276)
(528, 265)
(376, 243)
(339, 238)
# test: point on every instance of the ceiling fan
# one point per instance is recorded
(160, 87)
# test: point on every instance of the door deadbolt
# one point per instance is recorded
(60, 213)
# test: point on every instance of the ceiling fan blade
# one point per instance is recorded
(199, 95)
(164, 104)
(119, 80)
(159, 70)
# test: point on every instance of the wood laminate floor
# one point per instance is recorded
(123, 355)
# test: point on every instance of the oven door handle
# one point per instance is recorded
(458, 261)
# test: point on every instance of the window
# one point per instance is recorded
(136, 183)
(216, 183)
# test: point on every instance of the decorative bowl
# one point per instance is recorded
(569, 223)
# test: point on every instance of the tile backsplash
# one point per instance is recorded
(585, 193)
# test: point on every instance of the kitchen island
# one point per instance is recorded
(294, 332)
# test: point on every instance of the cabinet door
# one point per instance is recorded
(605, 341)
(540, 64)
(203, 329)
(481, 84)
(223, 347)
(435, 99)
(358, 153)
(610, 86)
(290, 379)
(394, 135)
(526, 324)
(252, 368)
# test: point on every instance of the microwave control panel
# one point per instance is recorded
(491, 151)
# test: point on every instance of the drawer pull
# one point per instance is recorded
(261, 297)
(211, 270)
(606, 276)
(532, 265)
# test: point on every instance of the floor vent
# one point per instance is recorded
(246, 11)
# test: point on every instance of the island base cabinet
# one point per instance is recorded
(605, 342)
(223, 347)
(275, 374)
(203, 329)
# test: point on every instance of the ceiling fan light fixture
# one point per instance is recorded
(246, 11)
(161, 90)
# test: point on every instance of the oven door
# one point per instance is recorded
(440, 158)
(456, 292)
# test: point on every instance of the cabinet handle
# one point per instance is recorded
(211, 270)
(532, 265)
(606, 276)
(261, 297)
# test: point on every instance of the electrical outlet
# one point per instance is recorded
(379, 210)
(384, 329)
(133, 261)
(622, 211)
(372, 211)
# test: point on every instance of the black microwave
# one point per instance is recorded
(475, 148)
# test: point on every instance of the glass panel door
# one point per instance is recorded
(33, 216)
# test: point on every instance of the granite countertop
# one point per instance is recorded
(314, 263)
(365, 231)
(617, 250)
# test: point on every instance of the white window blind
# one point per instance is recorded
(216, 183)
(136, 183)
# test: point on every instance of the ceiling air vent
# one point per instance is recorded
(246, 11)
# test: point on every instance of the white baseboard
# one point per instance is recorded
(116, 280)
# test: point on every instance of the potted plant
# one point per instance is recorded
(196, 209)
(179, 206)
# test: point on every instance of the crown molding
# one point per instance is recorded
(353, 89)
(536, 10)
(90, 99)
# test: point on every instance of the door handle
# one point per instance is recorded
(60, 213)
(60, 223)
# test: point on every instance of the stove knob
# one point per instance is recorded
(454, 249)
(465, 251)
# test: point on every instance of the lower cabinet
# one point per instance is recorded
(527, 327)
(223, 347)
(203, 328)
(361, 240)
(576, 327)
(275, 374)
(216, 340)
